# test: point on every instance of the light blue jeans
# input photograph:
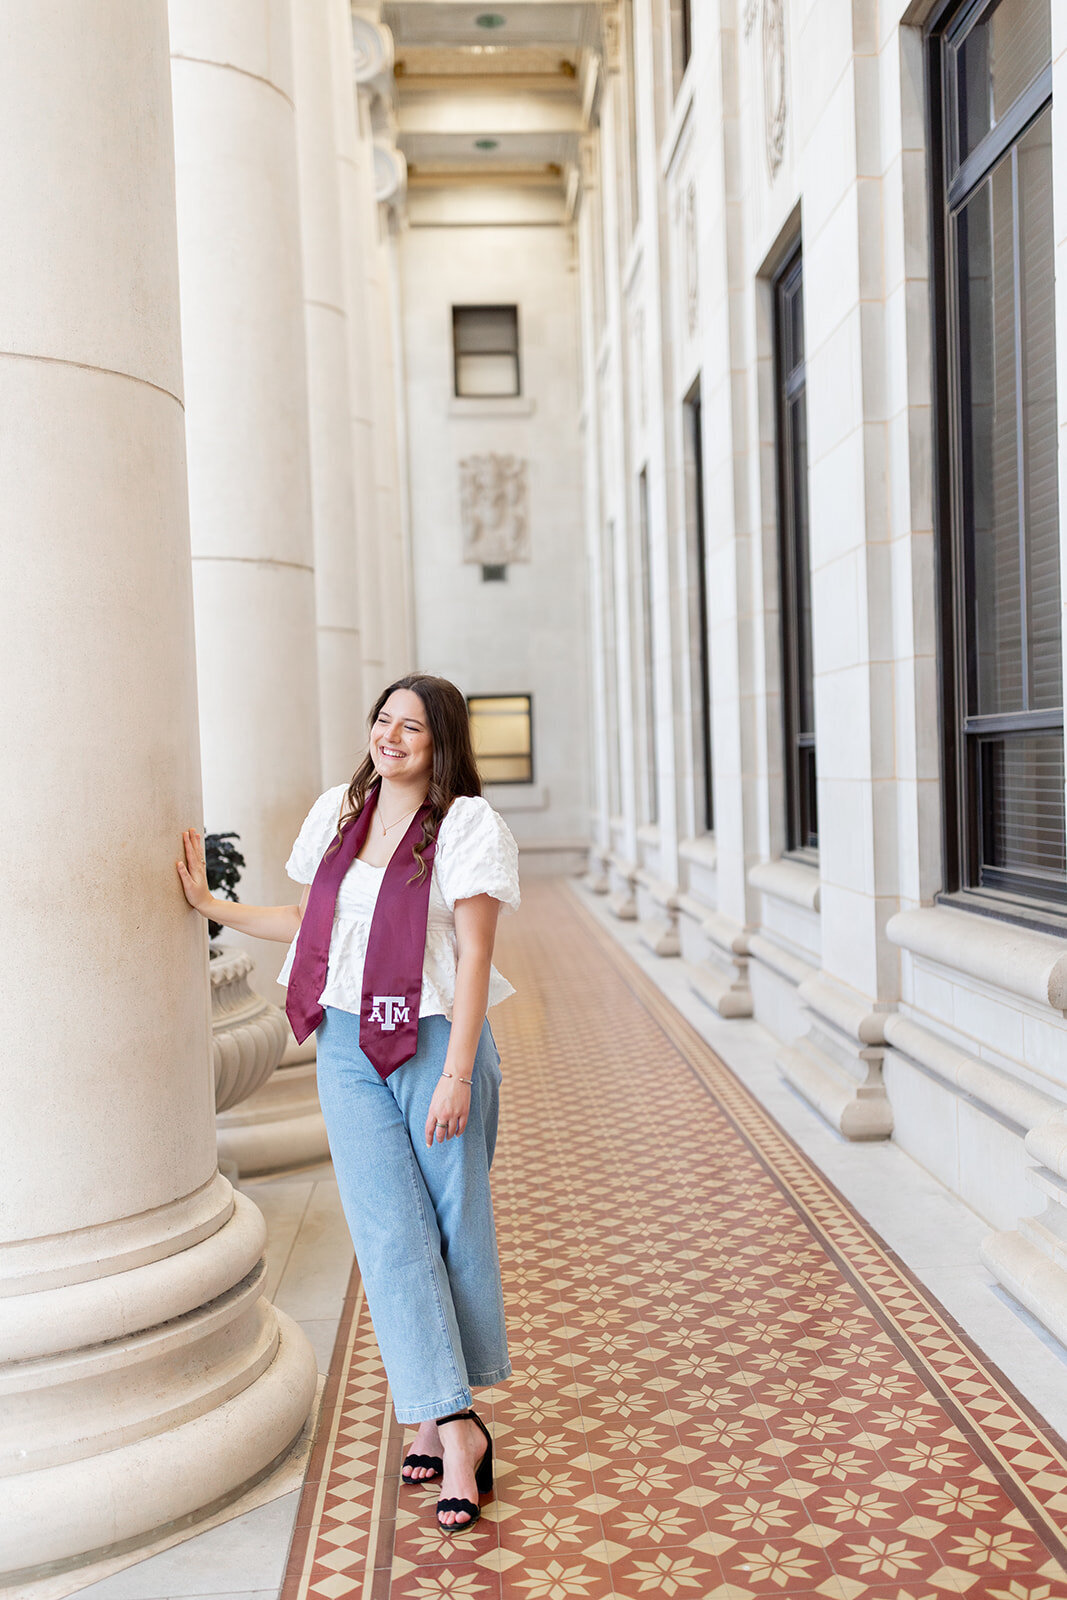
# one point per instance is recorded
(421, 1219)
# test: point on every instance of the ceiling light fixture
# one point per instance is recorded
(489, 19)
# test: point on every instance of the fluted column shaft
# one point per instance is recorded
(142, 1373)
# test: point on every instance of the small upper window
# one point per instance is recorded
(502, 735)
(485, 342)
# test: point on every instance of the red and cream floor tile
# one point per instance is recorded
(726, 1387)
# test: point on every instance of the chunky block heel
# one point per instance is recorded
(483, 1477)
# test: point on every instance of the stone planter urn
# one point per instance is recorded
(249, 1035)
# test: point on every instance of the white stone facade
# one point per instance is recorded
(896, 1014)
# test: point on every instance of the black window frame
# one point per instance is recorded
(799, 745)
(696, 523)
(646, 632)
(996, 892)
(515, 351)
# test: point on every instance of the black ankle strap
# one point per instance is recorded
(457, 1416)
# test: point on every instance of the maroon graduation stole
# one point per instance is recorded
(392, 967)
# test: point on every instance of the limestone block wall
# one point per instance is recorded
(895, 1015)
(527, 633)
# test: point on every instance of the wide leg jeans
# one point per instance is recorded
(421, 1219)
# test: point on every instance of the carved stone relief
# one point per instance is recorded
(637, 335)
(390, 173)
(494, 509)
(774, 99)
(610, 27)
(692, 275)
(372, 50)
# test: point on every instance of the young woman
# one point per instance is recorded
(390, 961)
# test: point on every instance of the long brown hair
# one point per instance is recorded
(454, 771)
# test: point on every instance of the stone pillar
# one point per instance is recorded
(341, 696)
(837, 1065)
(143, 1375)
(363, 57)
(242, 306)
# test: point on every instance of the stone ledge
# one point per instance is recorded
(1031, 965)
(793, 968)
(664, 894)
(992, 1087)
(491, 406)
(703, 852)
(787, 880)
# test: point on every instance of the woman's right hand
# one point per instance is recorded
(193, 873)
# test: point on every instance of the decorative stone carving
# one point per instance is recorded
(774, 99)
(611, 33)
(372, 50)
(637, 338)
(249, 1035)
(589, 159)
(692, 276)
(494, 509)
(390, 173)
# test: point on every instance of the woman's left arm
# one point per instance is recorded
(476, 921)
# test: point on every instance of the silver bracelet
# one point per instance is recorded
(445, 1074)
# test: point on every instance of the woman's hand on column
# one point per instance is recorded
(193, 873)
(449, 1109)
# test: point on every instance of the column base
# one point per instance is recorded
(280, 1127)
(140, 1399)
(622, 897)
(716, 952)
(1030, 1261)
(597, 878)
(837, 1066)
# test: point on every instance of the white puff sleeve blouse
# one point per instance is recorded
(475, 854)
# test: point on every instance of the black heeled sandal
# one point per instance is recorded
(423, 1461)
(483, 1478)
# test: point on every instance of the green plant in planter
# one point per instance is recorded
(223, 862)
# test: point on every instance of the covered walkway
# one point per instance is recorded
(726, 1385)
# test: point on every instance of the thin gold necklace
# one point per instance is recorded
(386, 826)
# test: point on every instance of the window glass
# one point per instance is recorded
(486, 350)
(798, 683)
(997, 59)
(502, 736)
(1022, 789)
(1007, 824)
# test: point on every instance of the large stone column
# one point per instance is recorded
(242, 307)
(341, 694)
(142, 1373)
(363, 58)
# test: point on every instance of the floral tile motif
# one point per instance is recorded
(726, 1387)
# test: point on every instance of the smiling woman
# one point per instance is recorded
(405, 871)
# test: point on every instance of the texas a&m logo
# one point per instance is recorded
(395, 1011)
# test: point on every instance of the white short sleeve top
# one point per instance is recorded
(475, 854)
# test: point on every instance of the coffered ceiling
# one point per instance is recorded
(490, 94)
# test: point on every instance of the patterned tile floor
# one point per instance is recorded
(725, 1386)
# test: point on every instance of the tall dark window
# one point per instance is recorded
(485, 350)
(798, 688)
(998, 533)
(646, 688)
(681, 38)
(698, 570)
